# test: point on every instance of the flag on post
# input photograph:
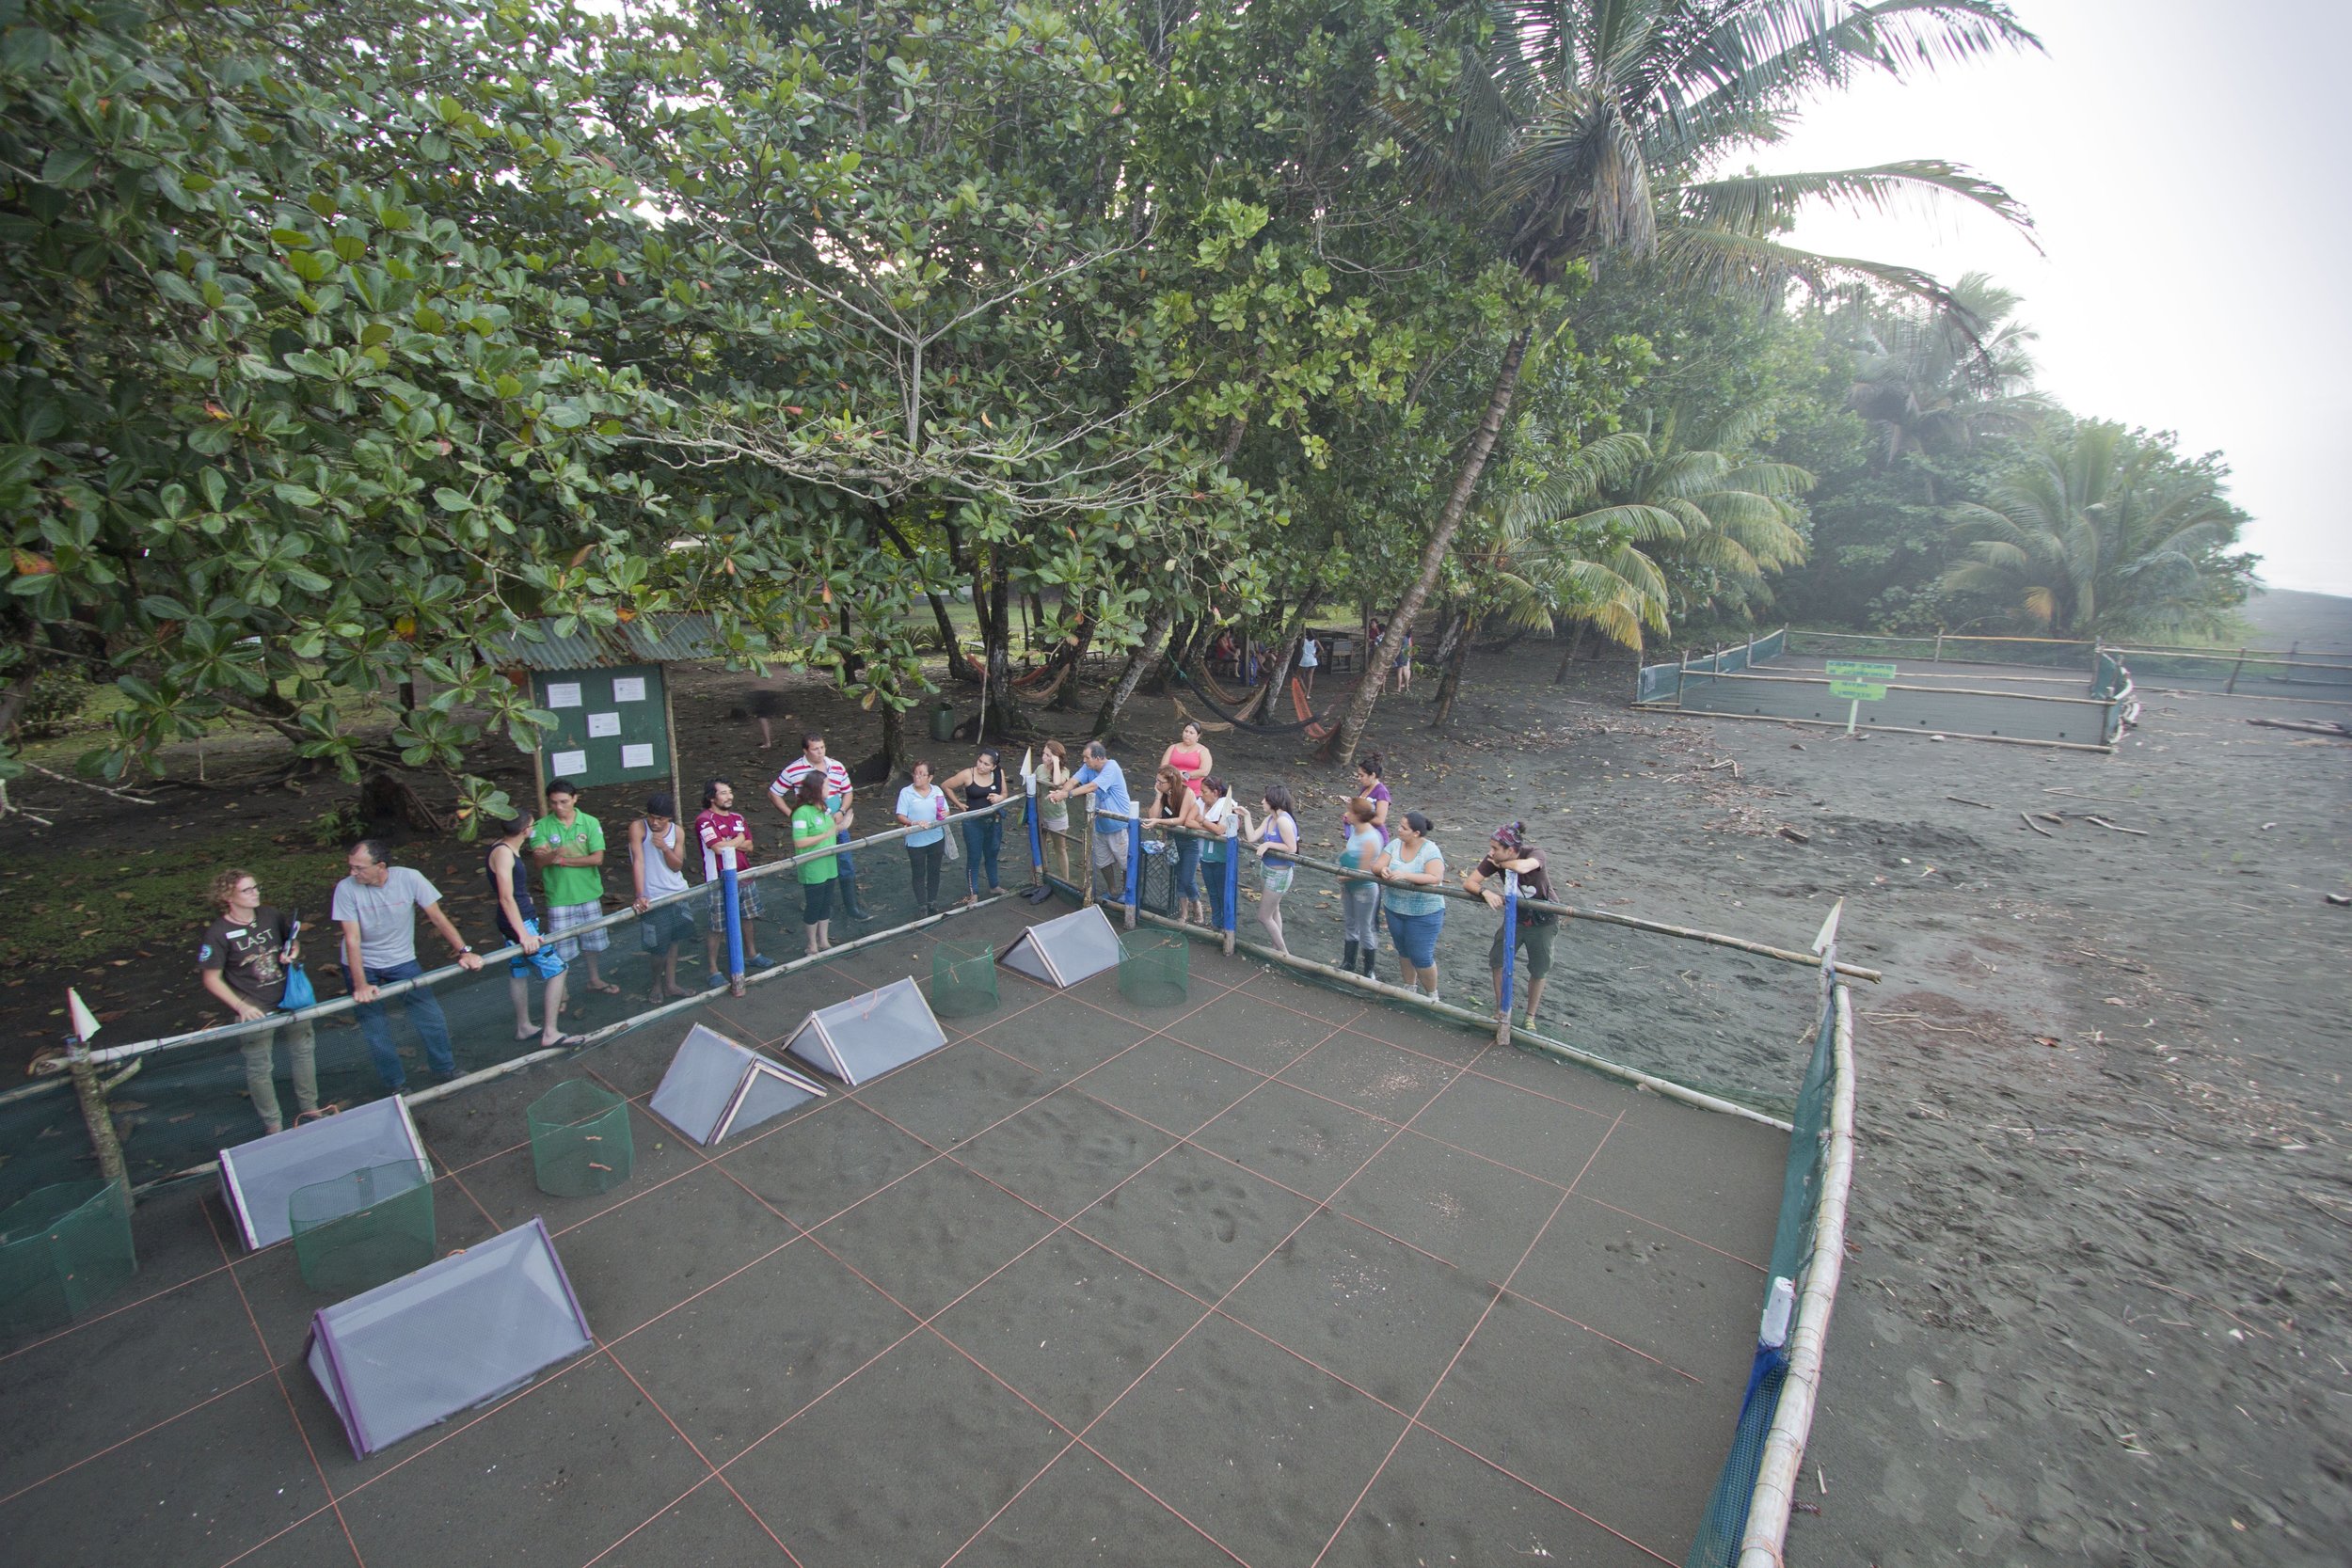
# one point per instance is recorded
(1028, 770)
(85, 1021)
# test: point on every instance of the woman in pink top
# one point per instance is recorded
(1189, 758)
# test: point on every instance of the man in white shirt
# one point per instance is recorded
(376, 906)
(785, 792)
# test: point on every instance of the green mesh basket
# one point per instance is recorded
(1155, 969)
(581, 1143)
(63, 1249)
(355, 1232)
(963, 979)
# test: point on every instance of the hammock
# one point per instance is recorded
(1308, 725)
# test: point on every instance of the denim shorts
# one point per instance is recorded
(544, 964)
(1416, 937)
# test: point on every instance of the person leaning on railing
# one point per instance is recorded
(376, 906)
(244, 957)
(1360, 900)
(1509, 850)
(1114, 810)
(1413, 867)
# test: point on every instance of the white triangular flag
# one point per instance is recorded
(85, 1021)
(1028, 769)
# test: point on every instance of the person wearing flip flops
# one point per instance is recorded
(518, 923)
(244, 957)
(568, 843)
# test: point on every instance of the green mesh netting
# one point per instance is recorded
(581, 1143)
(63, 1248)
(1154, 968)
(355, 1232)
(1726, 1518)
(963, 979)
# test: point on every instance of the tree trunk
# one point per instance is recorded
(1576, 647)
(1066, 700)
(1350, 733)
(998, 715)
(1451, 687)
(958, 667)
(894, 752)
(1141, 663)
(386, 796)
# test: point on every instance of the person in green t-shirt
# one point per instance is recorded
(814, 827)
(568, 845)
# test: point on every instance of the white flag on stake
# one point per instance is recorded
(85, 1021)
(1028, 770)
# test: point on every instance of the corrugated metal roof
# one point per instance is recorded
(649, 640)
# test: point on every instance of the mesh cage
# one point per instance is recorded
(354, 1232)
(1154, 968)
(963, 979)
(63, 1248)
(581, 1143)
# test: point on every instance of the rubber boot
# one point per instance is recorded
(1371, 964)
(1349, 962)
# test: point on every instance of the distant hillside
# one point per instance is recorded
(2283, 618)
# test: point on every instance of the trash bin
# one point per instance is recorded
(1155, 969)
(354, 1232)
(944, 721)
(581, 1143)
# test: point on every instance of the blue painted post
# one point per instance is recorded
(1231, 871)
(1135, 866)
(731, 899)
(1037, 841)
(1510, 954)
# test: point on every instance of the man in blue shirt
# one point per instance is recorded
(1113, 811)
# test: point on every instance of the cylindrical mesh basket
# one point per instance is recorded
(581, 1143)
(63, 1248)
(1155, 969)
(354, 1232)
(963, 979)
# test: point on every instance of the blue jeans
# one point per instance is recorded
(983, 841)
(845, 870)
(1213, 878)
(424, 1016)
(1188, 867)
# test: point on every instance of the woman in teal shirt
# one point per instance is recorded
(1360, 901)
(1413, 867)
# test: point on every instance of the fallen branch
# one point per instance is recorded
(2035, 826)
(84, 783)
(2306, 726)
(2135, 833)
(1966, 801)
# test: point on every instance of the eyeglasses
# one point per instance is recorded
(248, 887)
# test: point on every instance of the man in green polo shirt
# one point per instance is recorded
(568, 843)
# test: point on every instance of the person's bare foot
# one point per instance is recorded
(526, 1032)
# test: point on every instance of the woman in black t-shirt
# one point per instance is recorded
(1509, 850)
(243, 960)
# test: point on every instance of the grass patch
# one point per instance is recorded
(91, 901)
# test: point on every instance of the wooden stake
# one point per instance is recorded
(669, 724)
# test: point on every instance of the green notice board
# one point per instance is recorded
(1860, 670)
(1866, 691)
(612, 726)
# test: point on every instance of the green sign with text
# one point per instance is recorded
(1860, 670)
(1864, 691)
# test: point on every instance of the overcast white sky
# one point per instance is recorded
(2185, 162)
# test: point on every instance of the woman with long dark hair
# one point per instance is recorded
(1413, 867)
(1274, 842)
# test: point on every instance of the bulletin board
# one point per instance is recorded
(612, 726)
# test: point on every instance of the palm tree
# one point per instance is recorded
(1935, 381)
(2102, 533)
(1591, 130)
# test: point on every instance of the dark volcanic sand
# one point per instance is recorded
(2093, 1309)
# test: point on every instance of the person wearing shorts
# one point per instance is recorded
(1414, 867)
(1509, 850)
(657, 868)
(518, 923)
(1270, 840)
(568, 843)
(243, 957)
(727, 841)
(813, 828)
(1113, 811)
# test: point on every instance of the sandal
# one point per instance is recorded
(565, 1043)
(317, 1113)
(603, 988)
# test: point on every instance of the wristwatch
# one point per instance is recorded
(463, 948)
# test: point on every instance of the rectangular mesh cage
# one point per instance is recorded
(963, 979)
(580, 1142)
(259, 1177)
(358, 1229)
(63, 1248)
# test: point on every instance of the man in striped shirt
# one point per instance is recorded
(785, 791)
